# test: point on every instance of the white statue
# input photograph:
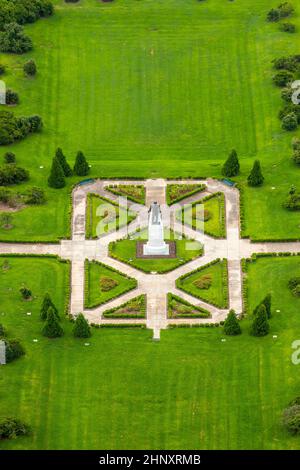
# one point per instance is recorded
(156, 245)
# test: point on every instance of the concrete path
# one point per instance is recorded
(155, 286)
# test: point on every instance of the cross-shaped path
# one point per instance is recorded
(155, 286)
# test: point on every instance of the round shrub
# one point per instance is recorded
(30, 68)
(10, 428)
(14, 350)
(291, 418)
(290, 122)
(288, 27)
(283, 78)
(9, 157)
(11, 97)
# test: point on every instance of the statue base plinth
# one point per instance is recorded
(142, 252)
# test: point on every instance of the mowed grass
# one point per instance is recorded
(103, 216)
(124, 391)
(216, 293)
(126, 251)
(95, 285)
(151, 89)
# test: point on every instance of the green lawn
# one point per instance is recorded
(125, 251)
(214, 215)
(103, 216)
(202, 394)
(151, 89)
(95, 275)
(217, 291)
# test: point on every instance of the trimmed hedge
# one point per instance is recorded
(114, 190)
(202, 312)
(201, 187)
(119, 325)
(110, 313)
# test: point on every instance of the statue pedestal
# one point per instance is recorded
(150, 249)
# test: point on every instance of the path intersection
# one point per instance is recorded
(155, 286)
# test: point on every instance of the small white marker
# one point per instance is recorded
(277, 311)
(28, 313)
(275, 336)
(41, 167)
(223, 340)
(35, 340)
(86, 344)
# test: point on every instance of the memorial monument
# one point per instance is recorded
(155, 246)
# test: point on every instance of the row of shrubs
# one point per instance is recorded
(14, 128)
(198, 188)
(141, 299)
(202, 312)
(118, 191)
(119, 325)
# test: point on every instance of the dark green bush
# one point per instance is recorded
(231, 166)
(9, 157)
(288, 27)
(291, 418)
(11, 174)
(13, 128)
(11, 97)
(81, 327)
(52, 328)
(35, 196)
(30, 68)
(232, 325)
(290, 122)
(14, 350)
(283, 78)
(10, 428)
(13, 39)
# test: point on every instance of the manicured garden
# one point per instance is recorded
(126, 251)
(177, 192)
(179, 308)
(134, 308)
(135, 193)
(208, 283)
(65, 379)
(104, 216)
(208, 214)
(102, 284)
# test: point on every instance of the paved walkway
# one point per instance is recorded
(155, 286)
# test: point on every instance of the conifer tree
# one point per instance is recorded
(260, 325)
(231, 166)
(256, 178)
(52, 328)
(47, 302)
(232, 325)
(63, 162)
(267, 303)
(81, 327)
(81, 167)
(57, 177)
